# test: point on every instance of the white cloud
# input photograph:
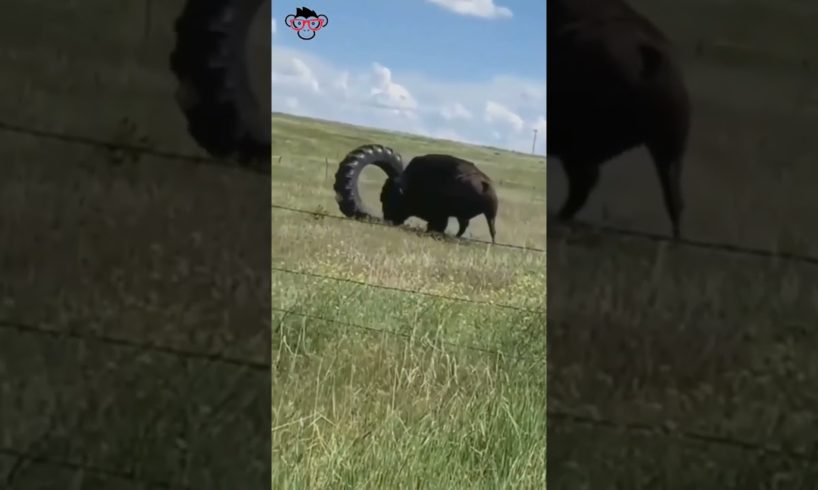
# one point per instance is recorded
(342, 82)
(291, 103)
(522, 141)
(388, 94)
(273, 27)
(498, 113)
(477, 8)
(533, 94)
(405, 101)
(295, 72)
(455, 111)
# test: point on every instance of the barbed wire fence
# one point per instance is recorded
(575, 417)
(35, 455)
(557, 415)
(599, 228)
(219, 357)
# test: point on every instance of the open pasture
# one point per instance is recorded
(377, 386)
(125, 278)
(695, 342)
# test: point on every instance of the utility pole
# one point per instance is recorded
(534, 143)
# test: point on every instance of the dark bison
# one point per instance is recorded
(215, 94)
(613, 84)
(432, 187)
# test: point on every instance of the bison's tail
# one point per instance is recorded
(491, 207)
(491, 196)
(349, 171)
(214, 91)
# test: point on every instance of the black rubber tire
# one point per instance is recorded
(349, 171)
(210, 64)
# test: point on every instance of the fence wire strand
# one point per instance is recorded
(669, 430)
(600, 228)
(218, 357)
(377, 222)
(728, 248)
(32, 456)
(408, 291)
(553, 415)
(392, 333)
(88, 468)
(136, 149)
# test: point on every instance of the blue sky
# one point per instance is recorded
(468, 70)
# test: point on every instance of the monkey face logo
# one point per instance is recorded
(306, 22)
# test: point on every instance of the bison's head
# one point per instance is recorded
(392, 202)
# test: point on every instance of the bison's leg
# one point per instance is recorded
(582, 179)
(669, 170)
(463, 223)
(490, 221)
(437, 225)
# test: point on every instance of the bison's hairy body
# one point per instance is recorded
(614, 84)
(432, 187)
(437, 187)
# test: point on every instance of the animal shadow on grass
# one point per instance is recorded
(420, 232)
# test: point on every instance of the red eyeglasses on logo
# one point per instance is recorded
(306, 22)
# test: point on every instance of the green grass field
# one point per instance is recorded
(691, 340)
(640, 333)
(378, 388)
(96, 246)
